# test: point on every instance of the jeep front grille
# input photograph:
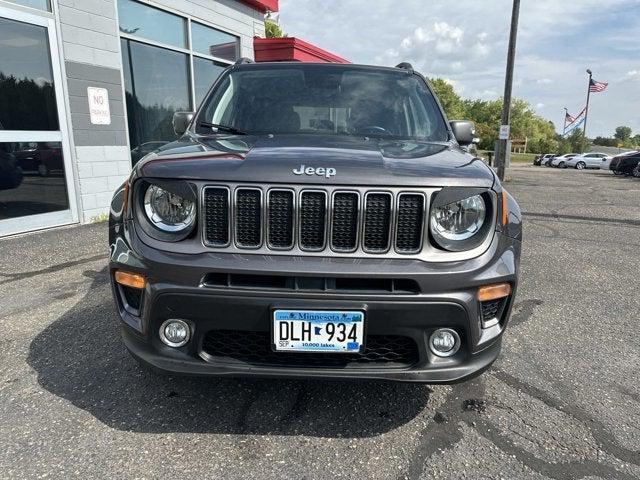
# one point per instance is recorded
(314, 219)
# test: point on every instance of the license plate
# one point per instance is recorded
(318, 331)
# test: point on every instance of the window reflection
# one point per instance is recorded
(205, 73)
(157, 85)
(148, 22)
(31, 179)
(210, 41)
(27, 95)
(39, 4)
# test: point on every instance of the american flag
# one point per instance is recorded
(568, 119)
(597, 86)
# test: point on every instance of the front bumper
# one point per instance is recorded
(446, 297)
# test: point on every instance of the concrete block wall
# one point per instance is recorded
(91, 46)
(101, 170)
(92, 58)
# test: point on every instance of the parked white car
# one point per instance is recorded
(589, 160)
(561, 160)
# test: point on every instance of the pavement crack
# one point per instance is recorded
(558, 216)
(601, 434)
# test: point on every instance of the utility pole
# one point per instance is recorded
(586, 112)
(501, 156)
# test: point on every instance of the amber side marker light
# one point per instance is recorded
(127, 279)
(493, 292)
(504, 207)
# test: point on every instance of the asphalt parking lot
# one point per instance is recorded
(563, 400)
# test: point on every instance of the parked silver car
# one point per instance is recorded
(561, 160)
(589, 160)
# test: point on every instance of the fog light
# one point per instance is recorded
(444, 342)
(175, 333)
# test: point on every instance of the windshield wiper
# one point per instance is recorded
(223, 128)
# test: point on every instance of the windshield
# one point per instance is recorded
(317, 99)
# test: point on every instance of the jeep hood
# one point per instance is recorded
(356, 161)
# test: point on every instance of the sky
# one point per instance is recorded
(465, 42)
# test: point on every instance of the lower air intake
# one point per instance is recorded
(254, 348)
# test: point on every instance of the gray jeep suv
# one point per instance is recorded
(315, 220)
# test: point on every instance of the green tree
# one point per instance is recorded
(525, 123)
(577, 142)
(272, 29)
(449, 99)
(605, 141)
(623, 133)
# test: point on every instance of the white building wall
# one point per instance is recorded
(91, 46)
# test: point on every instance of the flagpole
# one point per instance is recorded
(586, 109)
(501, 151)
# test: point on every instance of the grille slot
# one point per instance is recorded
(280, 215)
(409, 222)
(216, 216)
(254, 348)
(344, 221)
(313, 214)
(248, 218)
(377, 222)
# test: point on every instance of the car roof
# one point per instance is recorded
(334, 66)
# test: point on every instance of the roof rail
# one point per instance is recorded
(405, 65)
(243, 60)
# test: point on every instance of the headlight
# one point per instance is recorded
(459, 224)
(168, 211)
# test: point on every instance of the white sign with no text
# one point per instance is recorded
(99, 106)
(504, 132)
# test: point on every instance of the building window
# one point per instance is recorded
(27, 93)
(151, 23)
(170, 62)
(209, 41)
(39, 4)
(203, 71)
(156, 85)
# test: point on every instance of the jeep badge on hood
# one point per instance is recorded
(326, 172)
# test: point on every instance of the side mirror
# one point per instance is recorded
(464, 132)
(181, 121)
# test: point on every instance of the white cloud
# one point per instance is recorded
(466, 43)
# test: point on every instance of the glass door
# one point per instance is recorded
(36, 185)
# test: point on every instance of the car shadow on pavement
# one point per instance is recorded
(80, 358)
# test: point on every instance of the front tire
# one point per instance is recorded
(561, 165)
(580, 165)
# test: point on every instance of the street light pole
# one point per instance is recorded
(508, 84)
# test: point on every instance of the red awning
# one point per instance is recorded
(263, 6)
(291, 49)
